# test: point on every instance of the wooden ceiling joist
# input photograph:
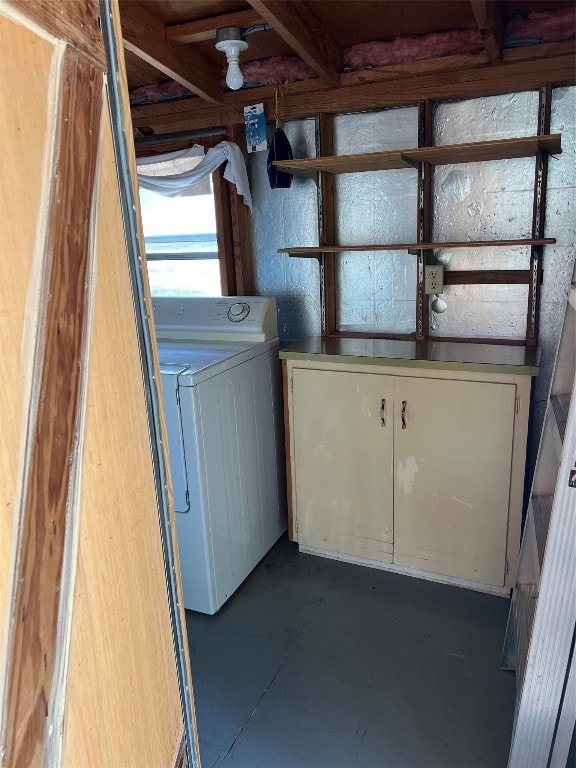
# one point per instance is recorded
(297, 24)
(522, 69)
(144, 35)
(490, 25)
(205, 29)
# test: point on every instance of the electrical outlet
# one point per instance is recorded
(434, 278)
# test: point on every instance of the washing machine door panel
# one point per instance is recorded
(175, 442)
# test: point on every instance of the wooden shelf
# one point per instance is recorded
(422, 158)
(408, 158)
(313, 250)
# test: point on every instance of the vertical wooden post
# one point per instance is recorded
(538, 218)
(425, 118)
(326, 232)
(224, 233)
(242, 228)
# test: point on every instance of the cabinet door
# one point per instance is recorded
(452, 458)
(342, 433)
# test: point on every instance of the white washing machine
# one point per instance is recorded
(221, 385)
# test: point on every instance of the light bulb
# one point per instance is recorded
(230, 40)
(439, 305)
(234, 79)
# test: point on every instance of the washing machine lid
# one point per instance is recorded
(181, 355)
(196, 361)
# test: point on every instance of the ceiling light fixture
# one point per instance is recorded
(232, 40)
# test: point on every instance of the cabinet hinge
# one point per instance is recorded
(517, 403)
(507, 567)
(291, 384)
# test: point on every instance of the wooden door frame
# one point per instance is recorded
(120, 116)
(84, 36)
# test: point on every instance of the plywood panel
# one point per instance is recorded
(120, 637)
(123, 705)
(77, 23)
(53, 415)
(24, 92)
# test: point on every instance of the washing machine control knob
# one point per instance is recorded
(238, 311)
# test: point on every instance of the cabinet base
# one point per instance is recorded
(402, 570)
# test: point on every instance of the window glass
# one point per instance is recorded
(170, 277)
(181, 246)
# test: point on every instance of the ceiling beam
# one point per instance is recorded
(489, 22)
(522, 69)
(144, 35)
(205, 29)
(297, 24)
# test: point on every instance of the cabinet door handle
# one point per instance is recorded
(403, 414)
(383, 412)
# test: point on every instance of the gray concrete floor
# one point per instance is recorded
(319, 664)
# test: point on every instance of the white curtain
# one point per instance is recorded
(175, 183)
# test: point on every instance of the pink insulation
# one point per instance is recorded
(277, 70)
(158, 92)
(546, 27)
(403, 50)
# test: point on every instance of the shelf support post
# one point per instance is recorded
(425, 114)
(326, 226)
(538, 217)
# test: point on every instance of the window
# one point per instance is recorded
(181, 247)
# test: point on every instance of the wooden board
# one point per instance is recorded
(76, 458)
(407, 158)
(313, 250)
(241, 228)
(123, 708)
(54, 412)
(205, 29)
(398, 85)
(487, 277)
(24, 69)
(77, 23)
(327, 226)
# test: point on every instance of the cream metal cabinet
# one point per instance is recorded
(343, 456)
(408, 465)
(452, 459)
